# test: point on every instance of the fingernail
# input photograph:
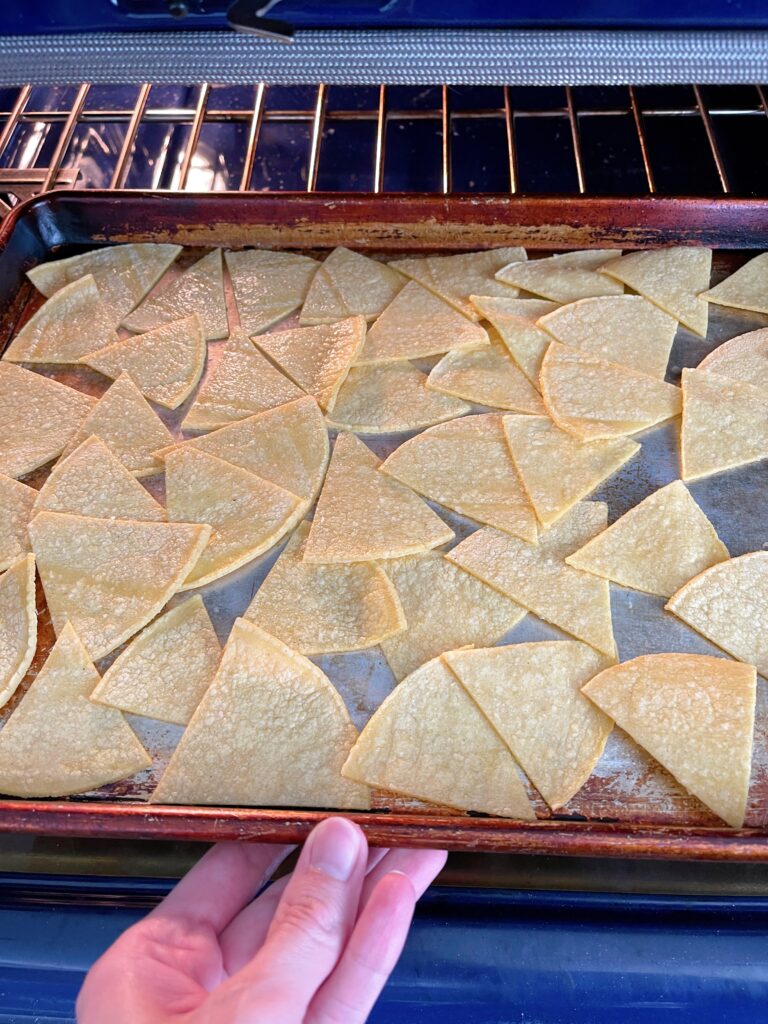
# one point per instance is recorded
(334, 848)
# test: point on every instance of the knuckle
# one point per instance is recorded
(313, 915)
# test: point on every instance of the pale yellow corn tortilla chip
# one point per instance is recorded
(349, 284)
(538, 578)
(671, 278)
(247, 515)
(270, 731)
(555, 468)
(657, 546)
(444, 608)
(743, 358)
(38, 418)
(466, 466)
(165, 670)
(746, 288)
(563, 278)
(322, 609)
(430, 740)
(625, 329)
(363, 514)
(165, 364)
(58, 743)
(694, 714)
(268, 286)
(390, 398)
(531, 695)
(110, 577)
(417, 324)
(16, 501)
(18, 625)
(515, 320)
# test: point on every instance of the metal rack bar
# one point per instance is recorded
(716, 155)
(317, 137)
(637, 114)
(254, 131)
(66, 137)
(574, 121)
(509, 119)
(197, 125)
(380, 150)
(445, 176)
(121, 166)
(13, 117)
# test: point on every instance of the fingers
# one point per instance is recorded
(421, 867)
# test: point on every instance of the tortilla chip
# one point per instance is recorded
(56, 742)
(200, 289)
(166, 669)
(349, 284)
(466, 466)
(321, 609)
(694, 714)
(444, 608)
(18, 625)
(248, 515)
(93, 482)
(363, 515)
(728, 604)
(268, 286)
(456, 278)
(555, 468)
(538, 578)
(38, 418)
(746, 288)
(124, 274)
(724, 424)
(109, 577)
(671, 278)
(16, 501)
(624, 329)
(515, 321)
(531, 695)
(269, 731)
(165, 364)
(125, 422)
(593, 399)
(563, 278)
(390, 398)
(317, 358)
(418, 324)
(743, 358)
(70, 324)
(657, 546)
(430, 740)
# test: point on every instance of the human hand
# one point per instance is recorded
(316, 947)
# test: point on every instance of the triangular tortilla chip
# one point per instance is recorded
(555, 468)
(109, 577)
(390, 398)
(456, 278)
(287, 445)
(268, 285)
(724, 424)
(418, 324)
(124, 274)
(199, 289)
(531, 695)
(694, 714)
(321, 609)
(38, 418)
(93, 482)
(444, 608)
(671, 278)
(466, 466)
(166, 669)
(317, 358)
(430, 740)
(657, 546)
(515, 321)
(270, 731)
(363, 515)
(746, 288)
(488, 376)
(625, 329)
(537, 577)
(73, 322)
(56, 742)
(247, 514)
(16, 501)
(563, 278)
(165, 364)
(593, 399)
(125, 422)
(349, 284)
(18, 625)
(744, 358)
(728, 604)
